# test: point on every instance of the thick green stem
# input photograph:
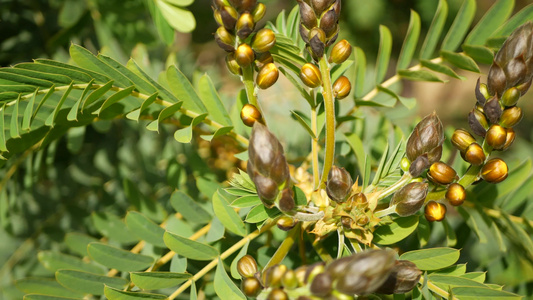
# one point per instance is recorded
(284, 248)
(248, 80)
(314, 148)
(330, 120)
(468, 178)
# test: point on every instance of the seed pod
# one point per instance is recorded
(273, 275)
(342, 87)
(247, 266)
(364, 273)
(277, 294)
(410, 198)
(263, 59)
(474, 154)
(511, 116)
(339, 184)
(456, 194)
(496, 136)
(494, 171)
(403, 278)
(263, 40)
(286, 223)
(321, 285)
(259, 12)
(510, 97)
(224, 39)
(289, 280)
(251, 287)
(310, 75)
(267, 76)
(426, 136)
(509, 139)
(493, 110)
(244, 55)
(419, 165)
(441, 173)
(435, 211)
(478, 122)
(340, 52)
(232, 64)
(250, 114)
(461, 139)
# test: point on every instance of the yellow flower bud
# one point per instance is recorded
(511, 116)
(267, 76)
(247, 266)
(244, 55)
(310, 75)
(342, 87)
(250, 114)
(456, 194)
(474, 154)
(263, 40)
(340, 52)
(494, 171)
(435, 211)
(251, 287)
(496, 136)
(441, 173)
(461, 139)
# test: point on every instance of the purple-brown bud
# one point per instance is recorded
(478, 122)
(426, 137)
(403, 278)
(339, 184)
(410, 198)
(224, 39)
(493, 110)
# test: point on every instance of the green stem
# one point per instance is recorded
(468, 178)
(330, 119)
(248, 80)
(321, 251)
(284, 248)
(314, 148)
(387, 211)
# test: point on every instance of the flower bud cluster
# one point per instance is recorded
(424, 146)
(235, 35)
(269, 170)
(364, 273)
(319, 26)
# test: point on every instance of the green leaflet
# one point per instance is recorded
(44, 297)
(410, 42)
(234, 272)
(179, 18)
(304, 121)
(75, 75)
(420, 75)
(5, 74)
(360, 71)
(113, 227)
(188, 208)
(396, 231)
(524, 15)
(496, 16)
(440, 68)
(481, 293)
(460, 26)
(54, 78)
(45, 286)
(115, 294)
(145, 229)
(184, 91)
(78, 242)
(384, 53)
(141, 84)
(434, 31)
(189, 248)
(119, 259)
(114, 99)
(246, 201)
(460, 60)
(209, 96)
(261, 213)
(163, 115)
(224, 286)
(54, 261)
(14, 126)
(227, 215)
(481, 54)
(158, 280)
(433, 258)
(88, 283)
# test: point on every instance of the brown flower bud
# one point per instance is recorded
(313, 270)
(286, 223)
(267, 189)
(493, 110)
(461, 139)
(247, 5)
(321, 5)
(277, 294)
(474, 154)
(510, 97)
(259, 12)
(263, 59)
(435, 211)
(232, 64)
(228, 17)
(317, 43)
(224, 39)
(342, 87)
(267, 76)
(511, 116)
(346, 222)
(496, 80)
(286, 202)
(328, 22)
(403, 278)
(410, 198)
(494, 171)
(339, 184)
(321, 285)
(478, 122)
(480, 96)
(363, 273)
(426, 136)
(340, 52)
(456, 194)
(304, 33)
(509, 138)
(244, 55)
(307, 16)
(247, 266)
(419, 165)
(524, 87)
(263, 40)
(496, 136)
(441, 173)
(251, 287)
(310, 75)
